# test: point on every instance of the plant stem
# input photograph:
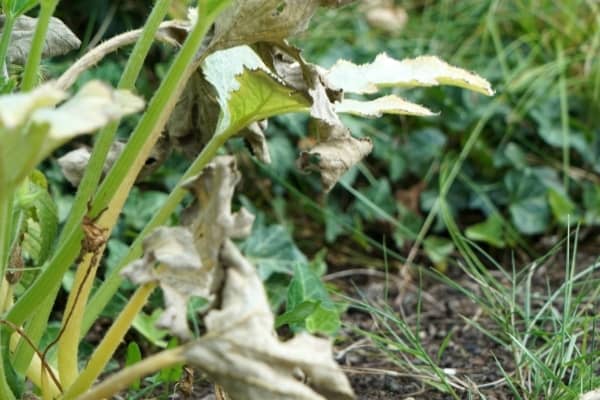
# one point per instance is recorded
(32, 67)
(126, 377)
(6, 206)
(71, 233)
(110, 286)
(110, 342)
(114, 191)
(9, 23)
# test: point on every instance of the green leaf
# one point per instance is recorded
(298, 314)
(563, 208)
(15, 8)
(306, 286)
(530, 215)
(528, 205)
(489, 231)
(438, 250)
(271, 249)
(40, 218)
(246, 91)
(134, 355)
(146, 325)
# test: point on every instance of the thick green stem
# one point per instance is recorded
(32, 67)
(6, 205)
(114, 191)
(71, 231)
(110, 342)
(110, 286)
(126, 377)
(9, 22)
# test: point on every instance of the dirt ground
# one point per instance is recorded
(469, 356)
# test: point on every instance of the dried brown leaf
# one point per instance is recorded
(59, 39)
(241, 352)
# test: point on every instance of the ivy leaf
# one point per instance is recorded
(271, 249)
(306, 286)
(563, 208)
(490, 231)
(385, 71)
(59, 39)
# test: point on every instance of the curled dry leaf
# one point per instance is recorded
(385, 15)
(386, 71)
(185, 261)
(252, 21)
(211, 219)
(59, 39)
(241, 352)
(334, 156)
(170, 258)
(74, 163)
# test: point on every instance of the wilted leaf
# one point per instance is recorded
(386, 71)
(210, 218)
(382, 105)
(30, 129)
(333, 157)
(241, 352)
(16, 108)
(59, 39)
(170, 258)
(73, 163)
(252, 21)
(95, 105)
(385, 15)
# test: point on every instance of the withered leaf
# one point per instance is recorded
(334, 156)
(252, 21)
(59, 39)
(170, 258)
(241, 352)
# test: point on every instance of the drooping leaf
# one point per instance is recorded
(241, 353)
(385, 71)
(252, 21)
(16, 108)
(333, 157)
(59, 39)
(170, 258)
